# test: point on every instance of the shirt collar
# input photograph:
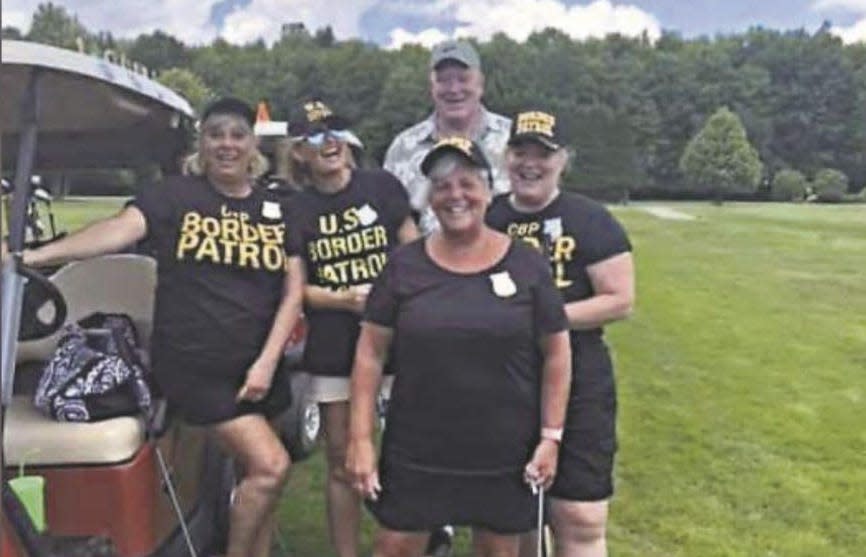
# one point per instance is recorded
(429, 126)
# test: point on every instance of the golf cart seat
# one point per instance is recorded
(36, 440)
(114, 283)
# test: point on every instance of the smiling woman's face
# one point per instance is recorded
(226, 146)
(327, 156)
(534, 171)
(459, 195)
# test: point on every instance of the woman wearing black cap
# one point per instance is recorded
(477, 335)
(227, 298)
(590, 256)
(345, 225)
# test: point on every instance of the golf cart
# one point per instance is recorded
(152, 485)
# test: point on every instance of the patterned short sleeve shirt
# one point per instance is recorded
(408, 149)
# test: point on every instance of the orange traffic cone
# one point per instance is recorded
(262, 114)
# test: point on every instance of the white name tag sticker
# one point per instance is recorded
(503, 285)
(367, 215)
(271, 210)
(553, 228)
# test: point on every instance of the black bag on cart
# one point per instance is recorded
(95, 373)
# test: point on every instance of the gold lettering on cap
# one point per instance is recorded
(316, 111)
(535, 122)
(461, 143)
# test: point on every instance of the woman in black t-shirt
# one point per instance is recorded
(591, 260)
(344, 226)
(227, 298)
(475, 329)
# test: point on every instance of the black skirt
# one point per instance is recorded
(204, 392)
(417, 500)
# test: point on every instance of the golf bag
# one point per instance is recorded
(95, 372)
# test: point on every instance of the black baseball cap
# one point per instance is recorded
(315, 116)
(466, 148)
(538, 126)
(230, 105)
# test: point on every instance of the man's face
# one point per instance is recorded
(456, 90)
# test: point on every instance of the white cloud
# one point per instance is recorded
(185, 19)
(265, 18)
(428, 37)
(856, 6)
(520, 18)
(188, 20)
(854, 34)
(19, 18)
(425, 8)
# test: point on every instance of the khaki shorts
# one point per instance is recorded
(336, 389)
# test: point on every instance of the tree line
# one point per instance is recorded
(631, 105)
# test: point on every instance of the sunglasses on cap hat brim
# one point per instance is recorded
(319, 138)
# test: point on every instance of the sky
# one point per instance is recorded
(392, 23)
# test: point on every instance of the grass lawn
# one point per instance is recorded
(742, 389)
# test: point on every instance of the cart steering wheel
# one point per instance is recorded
(38, 292)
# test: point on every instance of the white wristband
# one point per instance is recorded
(552, 434)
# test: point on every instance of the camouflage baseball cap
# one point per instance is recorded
(459, 51)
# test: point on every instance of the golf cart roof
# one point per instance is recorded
(272, 129)
(91, 113)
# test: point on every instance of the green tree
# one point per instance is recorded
(53, 25)
(188, 85)
(789, 185)
(812, 101)
(404, 100)
(12, 33)
(720, 160)
(158, 51)
(856, 166)
(324, 37)
(605, 161)
(830, 185)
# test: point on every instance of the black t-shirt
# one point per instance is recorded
(221, 263)
(344, 239)
(466, 395)
(573, 232)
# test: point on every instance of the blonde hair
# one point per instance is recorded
(194, 166)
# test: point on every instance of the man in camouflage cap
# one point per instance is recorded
(456, 86)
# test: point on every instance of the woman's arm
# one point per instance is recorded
(261, 373)
(108, 235)
(371, 353)
(613, 282)
(555, 387)
(351, 299)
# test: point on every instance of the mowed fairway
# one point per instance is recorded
(742, 379)
(743, 392)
